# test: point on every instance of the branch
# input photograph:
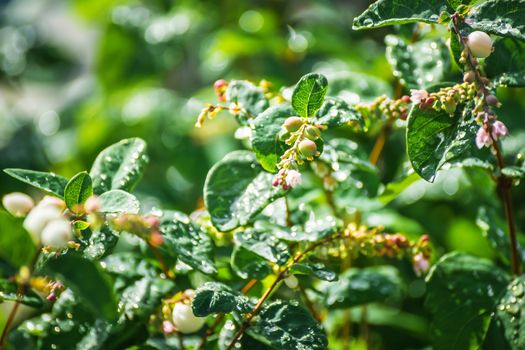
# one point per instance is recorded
(504, 184)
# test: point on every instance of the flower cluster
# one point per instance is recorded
(361, 240)
(211, 112)
(446, 99)
(490, 132)
(391, 108)
(298, 133)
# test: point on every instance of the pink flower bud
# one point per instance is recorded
(417, 96)
(483, 138)
(421, 264)
(168, 327)
(51, 297)
(499, 130)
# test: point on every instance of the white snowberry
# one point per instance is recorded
(57, 234)
(17, 203)
(480, 44)
(184, 319)
(39, 217)
(291, 281)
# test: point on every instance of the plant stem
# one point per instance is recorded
(20, 295)
(504, 184)
(280, 276)
(161, 261)
(380, 143)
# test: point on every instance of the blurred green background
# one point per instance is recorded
(77, 76)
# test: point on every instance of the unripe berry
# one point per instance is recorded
(291, 282)
(450, 105)
(184, 319)
(17, 203)
(57, 234)
(312, 132)
(292, 124)
(492, 100)
(307, 148)
(480, 44)
(469, 77)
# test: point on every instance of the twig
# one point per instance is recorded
(19, 296)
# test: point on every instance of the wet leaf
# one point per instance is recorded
(462, 292)
(237, 189)
(288, 326)
(265, 142)
(77, 191)
(215, 297)
(49, 182)
(308, 94)
(264, 245)
(250, 98)
(388, 12)
(506, 65)
(16, 245)
(118, 201)
(501, 17)
(186, 241)
(119, 166)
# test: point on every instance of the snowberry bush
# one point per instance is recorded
(282, 245)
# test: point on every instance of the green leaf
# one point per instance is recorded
(237, 189)
(265, 141)
(388, 12)
(308, 95)
(98, 242)
(336, 112)
(77, 191)
(142, 297)
(462, 292)
(49, 182)
(250, 98)
(504, 18)
(248, 265)
(215, 297)
(118, 201)
(287, 326)
(419, 65)
(119, 166)
(507, 324)
(187, 242)
(317, 270)
(358, 286)
(87, 280)
(264, 245)
(9, 292)
(129, 266)
(16, 245)
(435, 138)
(506, 65)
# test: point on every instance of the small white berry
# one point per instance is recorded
(17, 203)
(39, 217)
(480, 44)
(184, 319)
(291, 281)
(57, 234)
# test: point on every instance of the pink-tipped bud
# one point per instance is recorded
(92, 205)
